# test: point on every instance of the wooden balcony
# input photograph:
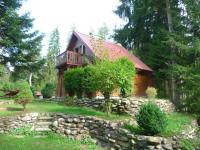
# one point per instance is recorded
(69, 58)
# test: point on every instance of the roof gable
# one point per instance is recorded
(114, 50)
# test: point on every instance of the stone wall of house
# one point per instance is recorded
(106, 133)
(125, 105)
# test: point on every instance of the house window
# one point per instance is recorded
(83, 49)
(76, 50)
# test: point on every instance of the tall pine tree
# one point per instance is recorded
(165, 35)
(53, 51)
(19, 46)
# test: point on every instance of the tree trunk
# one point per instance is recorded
(170, 27)
(30, 79)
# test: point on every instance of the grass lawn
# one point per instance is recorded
(176, 123)
(51, 142)
(10, 109)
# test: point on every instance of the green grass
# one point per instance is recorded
(51, 142)
(188, 144)
(176, 122)
(55, 107)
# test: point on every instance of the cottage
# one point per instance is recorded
(81, 49)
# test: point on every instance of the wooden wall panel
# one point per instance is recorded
(141, 82)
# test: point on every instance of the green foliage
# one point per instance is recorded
(188, 144)
(151, 119)
(108, 107)
(20, 45)
(176, 123)
(69, 101)
(89, 81)
(151, 93)
(26, 131)
(48, 90)
(59, 108)
(125, 72)
(170, 53)
(10, 86)
(105, 75)
(25, 95)
(73, 81)
(133, 129)
(53, 51)
(103, 32)
(4, 74)
(48, 140)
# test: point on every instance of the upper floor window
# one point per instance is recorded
(80, 49)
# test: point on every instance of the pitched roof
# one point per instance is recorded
(114, 51)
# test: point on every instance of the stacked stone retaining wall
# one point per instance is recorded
(108, 134)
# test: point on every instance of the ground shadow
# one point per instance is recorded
(14, 109)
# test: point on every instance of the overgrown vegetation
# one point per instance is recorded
(151, 119)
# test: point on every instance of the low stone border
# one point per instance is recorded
(107, 134)
(129, 105)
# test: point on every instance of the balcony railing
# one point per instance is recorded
(70, 58)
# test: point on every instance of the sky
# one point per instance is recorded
(86, 15)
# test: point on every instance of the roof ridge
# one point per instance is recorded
(114, 46)
(98, 36)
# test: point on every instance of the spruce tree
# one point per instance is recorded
(53, 51)
(19, 46)
(164, 34)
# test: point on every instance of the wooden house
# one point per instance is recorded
(81, 48)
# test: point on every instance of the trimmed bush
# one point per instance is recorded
(25, 95)
(48, 91)
(151, 93)
(151, 119)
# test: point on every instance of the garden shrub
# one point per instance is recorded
(125, 72)
(48, 90)
(89, 81)
(25, 95)
(73, 82)
(105, 75)
(69, 101)
(151, 93)
(151, 119)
